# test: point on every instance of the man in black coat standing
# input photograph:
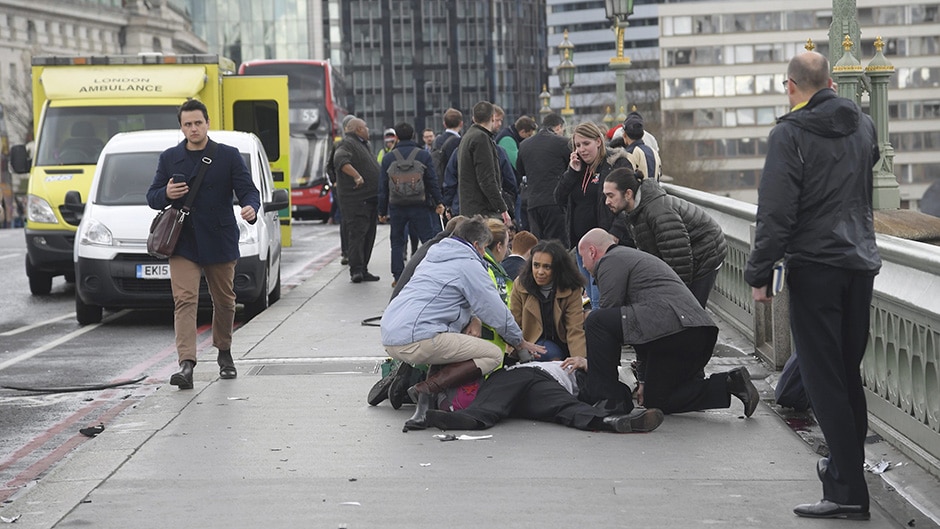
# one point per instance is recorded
(358, 181)
(815, 211)
(543, 158)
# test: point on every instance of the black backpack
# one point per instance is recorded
(406, 180)
(438, 153)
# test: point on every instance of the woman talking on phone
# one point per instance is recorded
(581, 189)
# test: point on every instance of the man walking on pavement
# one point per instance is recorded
(643, 303)
(208, 243)
(815, 211)
(408, 215)
(543, 158)
(358, 180)
(478, 174)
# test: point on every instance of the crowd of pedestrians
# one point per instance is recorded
(561, 251)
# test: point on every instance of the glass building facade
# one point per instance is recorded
(245, 30)
(409, 60)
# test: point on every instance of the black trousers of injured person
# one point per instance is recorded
(673, 367)
(529, 393)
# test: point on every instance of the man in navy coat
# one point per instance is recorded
(208, 243)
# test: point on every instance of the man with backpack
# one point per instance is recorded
(408, 189)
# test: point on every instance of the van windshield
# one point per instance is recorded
(126, 177)
(76, 135)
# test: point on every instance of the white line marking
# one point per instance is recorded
(34, 325)
(11, 255)
(59, 341)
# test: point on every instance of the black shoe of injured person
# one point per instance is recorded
(640, 420)
(451, 420)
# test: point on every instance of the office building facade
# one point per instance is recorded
(722, 65)
(594, 42)
(409, 60)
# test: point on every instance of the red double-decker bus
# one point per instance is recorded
(317, 107)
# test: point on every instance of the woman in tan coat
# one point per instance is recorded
(547, 302)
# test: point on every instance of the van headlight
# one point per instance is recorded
(246, 232)
(38, 210)
(94, 232)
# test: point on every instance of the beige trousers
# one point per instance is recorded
(184, 279)
(449, 348)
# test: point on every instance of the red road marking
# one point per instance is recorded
(101, 402)
(53, 457)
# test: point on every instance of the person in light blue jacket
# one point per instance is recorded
(437, 317)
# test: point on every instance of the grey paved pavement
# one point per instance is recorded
(292, 443)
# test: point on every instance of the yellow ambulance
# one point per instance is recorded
(79, 103)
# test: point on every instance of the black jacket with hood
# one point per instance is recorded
(815, 195)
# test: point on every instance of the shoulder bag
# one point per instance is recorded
(168, 224)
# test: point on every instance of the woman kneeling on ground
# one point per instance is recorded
(547, 302)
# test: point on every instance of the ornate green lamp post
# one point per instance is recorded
(566, 72)
(546, 97)
(853, 80)
(885, 192)
(617, 13)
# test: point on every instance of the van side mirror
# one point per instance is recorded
(19, 159)
(73, 208)
(279, 200)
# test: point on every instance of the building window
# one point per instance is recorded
(744, 84)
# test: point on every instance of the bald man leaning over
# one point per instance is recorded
(643, 303)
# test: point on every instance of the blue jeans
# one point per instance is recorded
(553, 351)
(591, 287)
(400, 217)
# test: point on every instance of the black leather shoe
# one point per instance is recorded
(828, 509)
(401, 381)
(639, 420)
(184, 378)
(226, 365)
(822, 466)
(451, 420)
(366, 276)
(356, 278)
(379, 391)
(740, 385)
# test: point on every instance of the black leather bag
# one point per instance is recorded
(168, 224)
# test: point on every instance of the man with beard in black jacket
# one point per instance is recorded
(815, 212)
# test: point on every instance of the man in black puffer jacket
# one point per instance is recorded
(675, 230)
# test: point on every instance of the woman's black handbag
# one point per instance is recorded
(168, 224)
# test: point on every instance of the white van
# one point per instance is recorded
(112, 267)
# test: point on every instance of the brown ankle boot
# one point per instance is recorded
(449, 376)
